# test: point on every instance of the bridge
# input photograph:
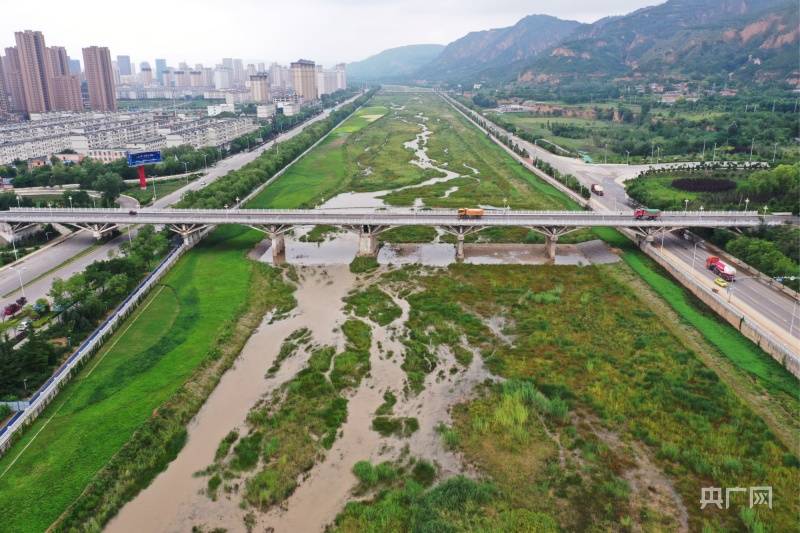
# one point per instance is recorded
(369, 223)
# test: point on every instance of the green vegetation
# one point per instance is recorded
(239, 183)
(363, 264)
(456, 504)
(686, 131)
(296, 340)
(81, 302)
(290, 431)
(157, 189)
(778, 189)
(389, 400)
(374, 304)
(173, 350)
(593, 372)
(401, 427)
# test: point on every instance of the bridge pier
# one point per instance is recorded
(367, 238)
(459, 232)
(277, 244)
(189, 232)
(98, 230)
(550, 246)
(551, 235)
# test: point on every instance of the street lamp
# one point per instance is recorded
(746, 202)
(19, 273)
(70, 201)
(19, 204)
(628, 154)
(694, 252)
(685, 205)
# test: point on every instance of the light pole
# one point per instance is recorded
(694, 251)
(701, 211)
(714, 158)
(746, 202)
(19, 204)
(685, 205)
(628, 158)
(752, 144)
(19, 273)
(205, 161)
(70, 201)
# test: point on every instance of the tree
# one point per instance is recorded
(110, 185)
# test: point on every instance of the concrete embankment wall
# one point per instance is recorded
(763, 339)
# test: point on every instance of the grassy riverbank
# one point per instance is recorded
(608, 416)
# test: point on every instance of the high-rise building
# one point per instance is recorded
(341, 76)
(5, 105)
(124, 65)
(36, 70)
(168, 78)
(262, 67)
(145, 74)
(161, 66)
(100, 78)
(304, 79)
(239, 76)
(60, 60)
(182, 78)
(259, 88)
(222, 78)
(12, 80)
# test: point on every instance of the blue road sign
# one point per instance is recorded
(137, 159)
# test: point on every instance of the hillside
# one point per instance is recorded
(497, 51)
(394, 63)
(746, 39)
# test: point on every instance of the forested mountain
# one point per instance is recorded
(741, 39)
(497, 50)
(394, 63)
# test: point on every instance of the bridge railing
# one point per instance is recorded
(389, 210)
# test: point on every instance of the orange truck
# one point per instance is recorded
(466, 212)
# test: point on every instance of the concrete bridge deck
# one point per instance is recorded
(370, 222)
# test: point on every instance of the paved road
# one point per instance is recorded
(39, 270)
(777, 310)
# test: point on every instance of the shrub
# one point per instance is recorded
(361, 265)
(704, 184)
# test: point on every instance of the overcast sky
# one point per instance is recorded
(327, 31)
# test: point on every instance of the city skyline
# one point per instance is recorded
(333, 32)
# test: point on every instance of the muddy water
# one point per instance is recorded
(321, 496)
(174, 502)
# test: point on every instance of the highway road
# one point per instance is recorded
(74, 254)
(767, 306)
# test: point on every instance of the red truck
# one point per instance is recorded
(644, 212)
(721, 268)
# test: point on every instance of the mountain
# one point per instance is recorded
(497, 50)
(394, 63)
(741, 39)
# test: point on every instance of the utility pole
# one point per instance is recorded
(752, 143)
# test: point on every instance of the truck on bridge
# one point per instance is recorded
(465, 212)
(646, 213)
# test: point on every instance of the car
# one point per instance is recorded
(721, 282)
(132, 213)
